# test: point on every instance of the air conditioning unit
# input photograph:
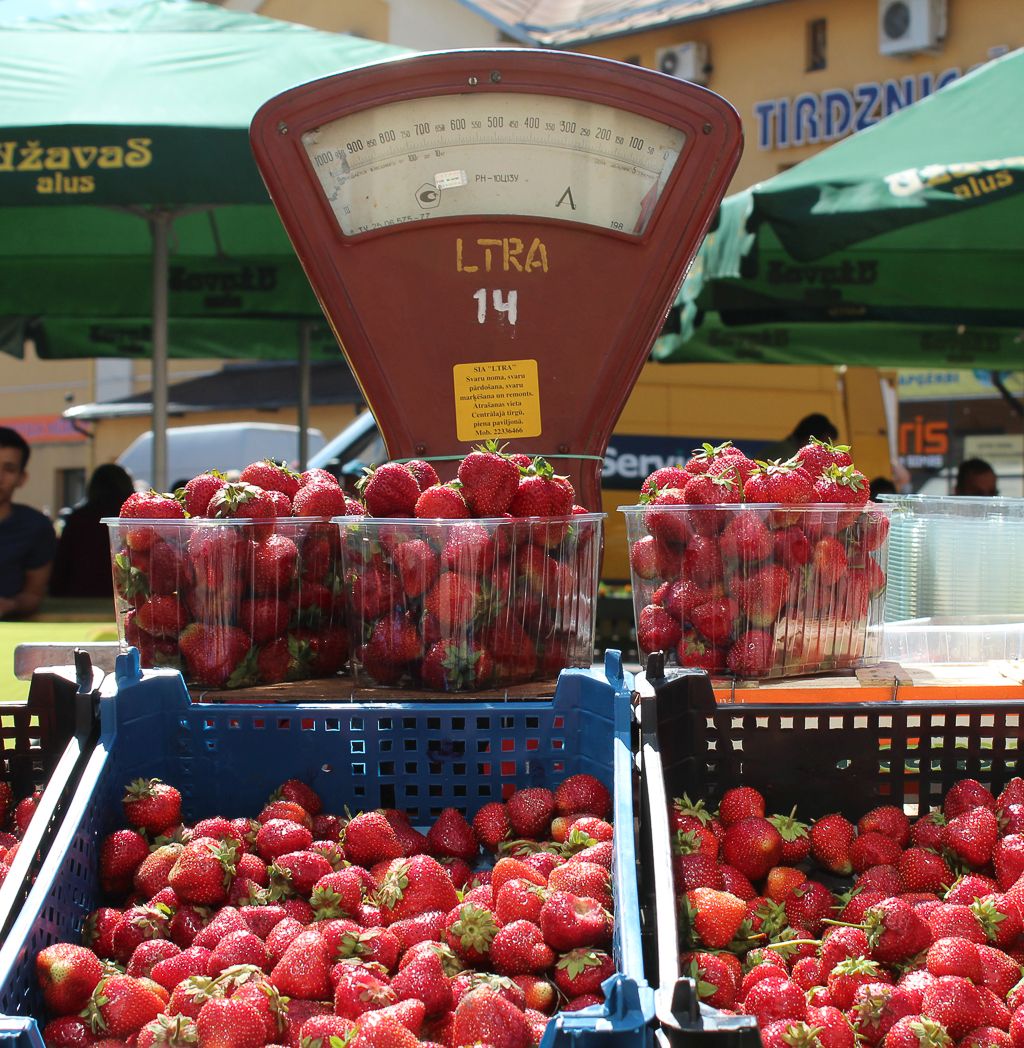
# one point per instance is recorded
(907, 26)
(687, 61)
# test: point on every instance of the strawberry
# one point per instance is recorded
(648, 559)
(657, 630)
(418, 884)
(519, 900)
(705, 489)
(740, 802)
(817, 456)
(451, 665)
(987, 1037)
(583, 794)
(954, 956)
(442, 502)
(530, 811)
(370, 838)
(846, 485)
(763, 594)
(775, 998)
(212, 652)
(489, 480)
(161, 617)
(150, 804)
(921, 870)
(587, 879)
(752, 654)
(484, 1016)
(273, 564)
(541, 493)
(746, 538)
(702, 561)
(67, 975)
(713, 917)
(230, 1022)
(322, 499)
(121, 853)
(753, 846)
(582, 971)
(271, 476)
(953, 1002)
(203, 871)
(829, 560)
(149, 505)
(808, 905)
(895, 931)
(964, 795)
(519, 948)
(972, 835)
(452, 836)
(783, 482)
(796, 841)
(390, 490)
(303, 970)
(666, 525)
(699, 654)
(491, 825)
(297, 872)
(666, 477)
(873, 849)
(568, 922)
(917, 1031)
(714, 619)
(848, 975)
(278, 836)
(424, 979)
(707, 455)
(243, 501)
(469, 930)
(999, 918)
(831, 839)
(791, 547)
(887, 820)
(120, 1006)
(716, 981)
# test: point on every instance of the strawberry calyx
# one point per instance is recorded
(576, 962)
(129, 580)
(174, 1030)
(392, 887)
(684, 806)
(233, 497)
(92, 1013)
(138, 789)
(930, 1034)
(988, 915)
(475, 928)
(789, 826)
(802, 1035)
(327, 906)
(577, 841)
(704, 988)
(686, 842)
(710, 451)
(846, 477)
(828, 445)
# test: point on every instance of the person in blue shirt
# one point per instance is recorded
(27, 539)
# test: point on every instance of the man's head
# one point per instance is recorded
(976, 477)
(14, 452)
(817, 425)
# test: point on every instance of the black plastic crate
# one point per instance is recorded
(45, 742)
(834, 756)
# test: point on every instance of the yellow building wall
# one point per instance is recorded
(760, 53)
(366, 18)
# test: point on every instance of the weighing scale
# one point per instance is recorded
(496, 237)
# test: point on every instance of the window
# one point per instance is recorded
(817, 44)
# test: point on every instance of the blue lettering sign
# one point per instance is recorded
(837, 106)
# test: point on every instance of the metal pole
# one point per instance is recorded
(159, 227)
(305, 329)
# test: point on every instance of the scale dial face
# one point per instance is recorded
(507, 153)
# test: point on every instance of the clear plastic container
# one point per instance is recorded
(963, 639)
(460, 605)
(952, 557)
(232, 603)
(759, 590)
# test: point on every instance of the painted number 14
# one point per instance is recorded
(500, 303)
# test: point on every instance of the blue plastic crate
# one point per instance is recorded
(418, 756)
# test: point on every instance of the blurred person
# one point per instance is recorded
(882, 486)
(976, 477)
(814, 425)
(27, 539)
(82, 565)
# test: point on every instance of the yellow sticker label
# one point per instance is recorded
(499, 399)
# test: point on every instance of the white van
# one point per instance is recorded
(192, 450)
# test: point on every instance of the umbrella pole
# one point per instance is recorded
(304, 392)
(159, 227)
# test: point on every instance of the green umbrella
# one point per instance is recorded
(898, 246)
(134, 218)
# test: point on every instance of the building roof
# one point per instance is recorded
(261, 387)
(560, 23)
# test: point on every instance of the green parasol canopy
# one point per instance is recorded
(132, 216)
(899, 246)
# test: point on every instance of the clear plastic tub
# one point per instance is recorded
(759, 590)
(955, 558)
(231, 603)
(458, 605)
(970, 639)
